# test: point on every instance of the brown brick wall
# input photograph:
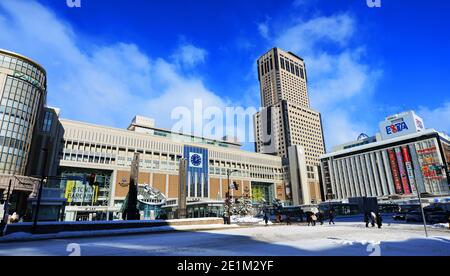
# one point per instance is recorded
(280, 192)
(159, 182)
(173, 186)
(214, 186)
(144, 178)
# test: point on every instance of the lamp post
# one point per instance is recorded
(229, 173)
(38, 203)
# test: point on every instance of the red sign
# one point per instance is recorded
(395, 172)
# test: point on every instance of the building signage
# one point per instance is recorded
(400, 125)
(402, 170)
(77, 192)
(396, 128)
(27, 78)
(395, 172)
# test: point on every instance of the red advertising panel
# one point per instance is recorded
(402, 171)
(395, 172)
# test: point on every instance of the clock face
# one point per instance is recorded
(196, 160)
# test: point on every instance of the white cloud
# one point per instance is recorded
(263, 29)
(305, 37)
(437, 118)
(190, 56)
(96, 83)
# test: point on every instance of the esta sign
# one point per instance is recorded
(396, 128)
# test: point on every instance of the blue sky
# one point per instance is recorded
(112, 59)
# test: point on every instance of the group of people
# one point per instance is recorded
(313, 219)
(373, 219)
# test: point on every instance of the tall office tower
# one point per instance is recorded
(287, 126)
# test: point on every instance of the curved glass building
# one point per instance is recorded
(22, 96)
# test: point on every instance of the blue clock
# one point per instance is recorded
(196, 160)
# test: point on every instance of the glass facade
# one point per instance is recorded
(262, 193)
(22, 90)
(78, 193)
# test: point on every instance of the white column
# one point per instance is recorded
(376, 175)
(195, 184)
(365, 173)
(167, 186)
(220, 187)
(355, 176)
(384, 184)
(342, 179)
(151, 179)
(360, 175)
(189, 184)
(332, 179)
(350, 177)
(337, 179)
(388, 171)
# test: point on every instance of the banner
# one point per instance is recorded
(77, 192)
(395, 172)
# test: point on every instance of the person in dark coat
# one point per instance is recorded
(320, 217)
(266, 219)
(309, 218)
(373, 218)
(379, 220)
(332, 216)
(367, 219)
(288, 220)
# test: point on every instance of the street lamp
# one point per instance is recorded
(229, 173)
(38, 203)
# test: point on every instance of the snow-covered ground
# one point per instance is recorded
(346, 238)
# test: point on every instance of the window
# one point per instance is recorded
(48, 120)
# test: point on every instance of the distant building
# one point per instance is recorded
(402, 158)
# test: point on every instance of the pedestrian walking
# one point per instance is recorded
(314, 219)
(266, 219)
(379, 220)
(373, 218)
(288, 220)
(367, 219)
(320, 217)
(309, 218)
(332, 216)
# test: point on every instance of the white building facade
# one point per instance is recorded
(404, 158)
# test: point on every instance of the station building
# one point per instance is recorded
(402, 159)
(108, 152)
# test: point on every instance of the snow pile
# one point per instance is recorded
(441, 226)
(246, 219)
